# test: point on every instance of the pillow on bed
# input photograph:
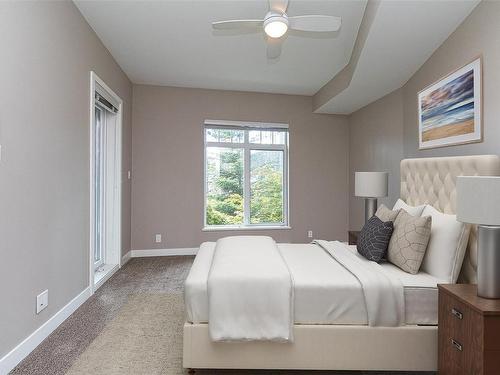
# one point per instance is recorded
(412, 210)
(409, 241)
(374, 239)
(446, 249)
(384, 214)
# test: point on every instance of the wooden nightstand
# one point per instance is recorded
(353, 237)
(469, 331)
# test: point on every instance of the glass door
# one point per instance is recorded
(99, 186)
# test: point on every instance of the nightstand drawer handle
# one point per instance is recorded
(457, 313)
(456, 345)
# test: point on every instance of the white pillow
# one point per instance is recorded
(412, 210)
(446, 249)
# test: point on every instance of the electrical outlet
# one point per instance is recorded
(158, 238)
(129, 175)
(310, 233)
(42, 301)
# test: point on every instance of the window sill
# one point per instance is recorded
(265, 227)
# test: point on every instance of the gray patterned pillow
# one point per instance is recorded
(384, 214)
(409, 241)
(374, 239)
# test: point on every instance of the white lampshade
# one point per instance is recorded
(478, 199)
(371, 184)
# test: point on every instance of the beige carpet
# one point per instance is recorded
(144, 338)
(132, 325)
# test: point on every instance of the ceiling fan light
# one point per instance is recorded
(276, 28)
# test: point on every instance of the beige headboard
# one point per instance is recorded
(432, 181)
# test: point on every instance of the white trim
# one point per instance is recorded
(16, 355)
(246, 182)
(106, 277)
(163, 252)
(215, 228)
(102, 125)
(247, 147)
(254, 146)
(126, 258)
(247, 124)
(96, 83)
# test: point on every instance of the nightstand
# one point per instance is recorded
(353, 237)
(469, 331)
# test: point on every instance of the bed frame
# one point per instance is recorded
(343, 347)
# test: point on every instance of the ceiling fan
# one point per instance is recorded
(276, 23)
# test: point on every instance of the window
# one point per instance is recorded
(246, 175)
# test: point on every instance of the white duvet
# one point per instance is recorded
(383, 293)
(364, 293)
(250, 291)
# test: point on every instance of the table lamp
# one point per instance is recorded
(371, 185)
(478, 202)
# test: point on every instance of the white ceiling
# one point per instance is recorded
(171, 43)
(403, 36)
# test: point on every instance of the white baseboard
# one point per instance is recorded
(126, 258)
(16, 355)
(164, 252)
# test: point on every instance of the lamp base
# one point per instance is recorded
(370, 208)
(488, 262)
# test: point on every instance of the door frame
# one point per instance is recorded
(96, 83)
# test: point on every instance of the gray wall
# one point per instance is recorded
(167, 183)
(375, 144)
(478, 35)
(47, 51)
(396, 114)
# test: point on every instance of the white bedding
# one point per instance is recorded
(383, 292)
(321, 296)
(250, 291)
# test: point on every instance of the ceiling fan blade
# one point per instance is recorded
(279, 6)
(274, 47)
(237, 24)
(315, 23)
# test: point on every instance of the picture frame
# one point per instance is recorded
(450, 109)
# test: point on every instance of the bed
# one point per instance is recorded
(317, 293)
(333, 336)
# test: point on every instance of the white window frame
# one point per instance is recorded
(246, 146)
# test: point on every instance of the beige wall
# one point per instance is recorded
(47, 51)
(167, 182)
(375, 144)
(478, 35)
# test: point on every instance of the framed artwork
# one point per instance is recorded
(449, 110)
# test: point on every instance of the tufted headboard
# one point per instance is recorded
(432, 181)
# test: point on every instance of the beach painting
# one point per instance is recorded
(450, 109)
